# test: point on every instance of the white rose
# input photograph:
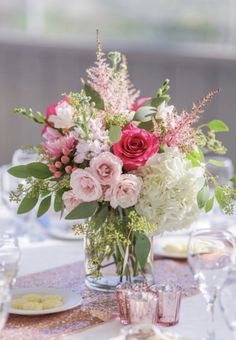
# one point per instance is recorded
(70, 200)
(85, 186)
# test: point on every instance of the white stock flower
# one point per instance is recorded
(164, 111)
(64, 116)
(169, 192)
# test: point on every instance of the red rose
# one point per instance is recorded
(135, 147)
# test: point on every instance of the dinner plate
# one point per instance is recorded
(70, 299)
(172, 246)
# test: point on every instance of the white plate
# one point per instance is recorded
(71, 300)
(175, 241)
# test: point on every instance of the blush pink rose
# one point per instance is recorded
(125, 192)
(85, 186)
(135, 147)
(106, 168)
(139, 103)
(70, 200)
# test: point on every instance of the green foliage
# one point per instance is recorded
(19, 171)
(27, 204)
(149, 126)
(203, 196)
(209, 205)
(215, 162)
(44, 206)
(233, 179)
(225, 196)
(217, 125)
(139, 223)
(118, 120)
(58, 202)
(83, 210)
(142, 249)
(214, 145)
(95, 97)
(100, 216)
(115, 133)
(144, 113)
(38, 170)
(36, 117)
(196, 157)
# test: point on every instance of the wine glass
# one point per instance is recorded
(210, 256)
(5, 301)
(227, 296)
(9, 256)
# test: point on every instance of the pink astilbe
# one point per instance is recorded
(114, 87)
(179, 128)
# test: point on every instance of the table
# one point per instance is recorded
(52, 253)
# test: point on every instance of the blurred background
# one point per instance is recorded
(46, 46)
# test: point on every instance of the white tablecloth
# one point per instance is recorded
(52, 253)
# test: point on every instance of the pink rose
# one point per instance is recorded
(85, 186)
(70, 200)
(50, 134)
(125, 192)
(139, 103)
(135, 147)
(55, 148)
(106, 168)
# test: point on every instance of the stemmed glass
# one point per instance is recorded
(227, 302)
(5, 300)
(210, 254)
(9, 257)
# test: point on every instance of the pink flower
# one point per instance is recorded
(139, 103)
(135, 147)
(70, 200)
(85, 186)
(51, 110)
(106, 168)
(55, 148)
(125, 192)
(50, 134)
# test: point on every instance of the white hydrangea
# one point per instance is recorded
(97, 143)
(169, 192)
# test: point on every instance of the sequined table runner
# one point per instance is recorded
(97, 307)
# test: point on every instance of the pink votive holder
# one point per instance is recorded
(121, 293)
(168, 308)
(142, 307)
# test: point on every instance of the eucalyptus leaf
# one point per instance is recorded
(19, 171)
(115, 133)
(142, 249)
(147, 126)
(203, 196)
(38, 170)
(196, 157)
(218, 125)
(100, 216)
(233, 179)
(209, 205)
(215, 162)
(83, 210)
(58, 202)
(95, 97)
(144, 113)
(44, 206)
(27, 204)
(220, 196)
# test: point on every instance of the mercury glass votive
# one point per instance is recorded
(169, 299)
(142, 307)
(121, 293)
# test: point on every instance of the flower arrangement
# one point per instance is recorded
(130, 167)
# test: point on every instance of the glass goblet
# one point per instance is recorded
(210, 254)
(9, 257)
(5, 301)
(227, 305)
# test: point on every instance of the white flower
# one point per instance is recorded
(64, 116)
(169, 192)
(164, 111)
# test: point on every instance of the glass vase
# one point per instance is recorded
(110, 269)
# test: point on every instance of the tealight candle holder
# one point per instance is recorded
(142, 307)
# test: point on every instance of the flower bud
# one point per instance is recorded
(65, 159)
(58, 174)
(52, 168)
(68, 169)
(58, 164)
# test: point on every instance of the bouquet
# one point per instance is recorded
(130, 167)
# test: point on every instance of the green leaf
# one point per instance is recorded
(147, 126)
(217, 125)
(44, 206)
(100, 216)
(27, 204)
(115, 133)
(220, 196)
(144, 113)
(142, 249)
(19, 171)
(83, 210)
(196, 157)
(58, 202)
(209, 205)
(95, 97)
(38, 170)
(203, 196)
(233, 179)
(215, 162)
